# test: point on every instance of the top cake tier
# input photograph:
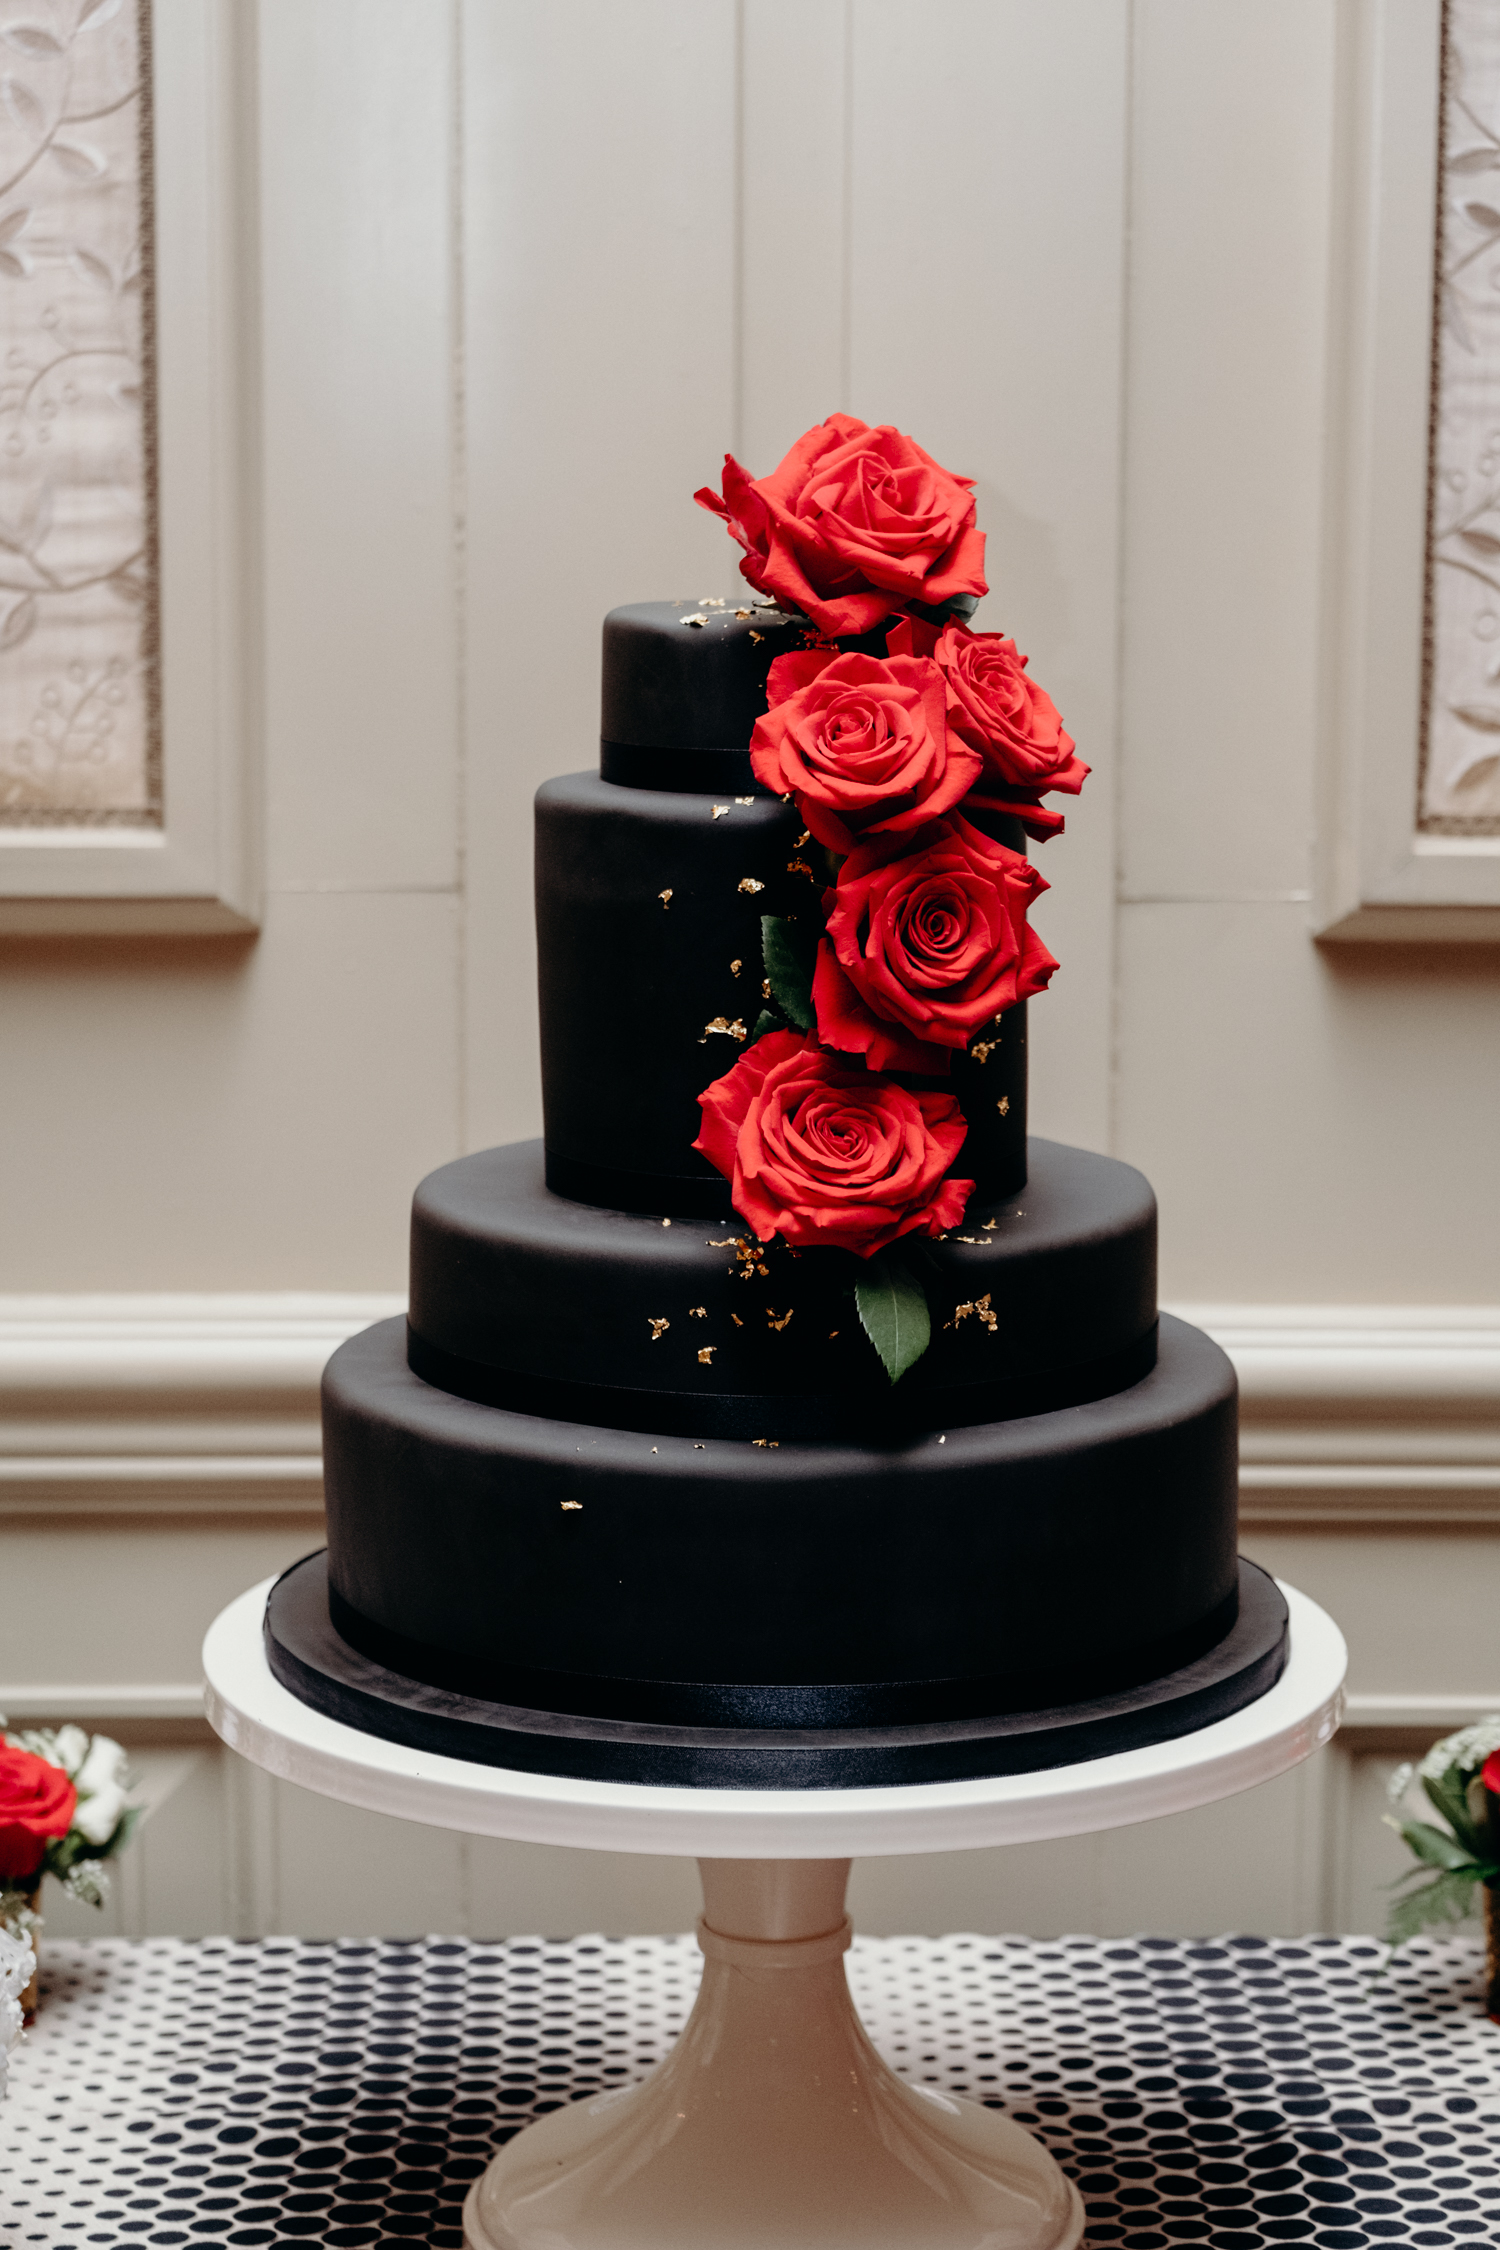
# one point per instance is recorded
(651, 883)
(683, 685)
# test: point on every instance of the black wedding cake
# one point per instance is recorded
(783, 1418)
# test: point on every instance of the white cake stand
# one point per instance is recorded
(773, 2122)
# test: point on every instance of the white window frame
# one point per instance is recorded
(199, 872)
(1376, 877)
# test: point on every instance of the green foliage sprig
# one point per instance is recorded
(1455, 1859)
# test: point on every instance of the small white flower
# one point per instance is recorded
(98, 1816)
(70, 1747)
(17, 1961)
(1467, 1749)
(103, 1768)
(1397, 1786)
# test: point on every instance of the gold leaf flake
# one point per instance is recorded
(576, 1505)
(961, 1313)
(804, 838)
(942, 1441)
(1003, 1105)
(697, 1312)
(765, 988)
(983, 1049)
(799, 867)
(665, 897)
(735, 1030)
(750, 885)
(831, 1334)
(744, 613)
(730, 1240)
(744, 800)
(735, 968)
(720, 811)
(978, 1245)
(771, 1442)
(991, 1320)
(778, 1325)
(756, 636)
(990, 1225)
(695, 619)
(666, 1222)
(699, 1446)
(658, 1328)
(734, 1316)
(706, 1356)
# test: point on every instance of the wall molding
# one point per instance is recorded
(191, 1405)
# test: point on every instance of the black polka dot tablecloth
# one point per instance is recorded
(1236, 2093)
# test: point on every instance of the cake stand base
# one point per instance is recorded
(773, 2120)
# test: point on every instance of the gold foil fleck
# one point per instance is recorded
(735, 968)
(744, 800)
(706, 1356)
(778, 1325)
(990, 1225)
(804, 838)
(719, 811)
(734, 1316)
(799, 867)
(730, 1240)
(575, 1505)
(756, 636)
(961, 1313)
(665, 897)
(735, 1030)
(749, 885)
(765, 989)
(770, 1442)
(831, 1334)
(666, 1222)
(744, 613)
(697, 1312)
(971, 1238)
(695, 619)
(983, 1049)
(658, 1328)
(1003, 1105)
(991, 1320)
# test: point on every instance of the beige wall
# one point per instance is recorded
(524, 274)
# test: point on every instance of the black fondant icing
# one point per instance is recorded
(520, 1297)
(317, 1664)
(671, 685)
(1068, 1539)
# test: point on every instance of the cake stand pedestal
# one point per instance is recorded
(773, 2122)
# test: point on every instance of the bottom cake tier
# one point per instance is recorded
(593, 1600)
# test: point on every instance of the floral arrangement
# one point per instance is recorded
(895, 755)
(17, 1967)
(1460, 1777)
(63, 1812)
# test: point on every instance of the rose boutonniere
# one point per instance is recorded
(828, 1154)
(854, 524)
(63, 1812)
(927, 939)
(861, 743)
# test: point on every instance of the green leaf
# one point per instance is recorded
(1447, 1793)
(769, 1019)
(1437, 1848)
(893, 1313)
(791, 951)
(1447, 1898)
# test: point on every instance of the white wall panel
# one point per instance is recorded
(600, 258)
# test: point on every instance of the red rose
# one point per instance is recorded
(854, 523)
(822, 1151)
(995, 707)
(1489, 1772)
(861, 742)
(36, 1804)
(927, 939)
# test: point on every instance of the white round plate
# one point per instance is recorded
(261, 1719)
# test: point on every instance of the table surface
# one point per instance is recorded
(1236, 2092)
(261, 1719)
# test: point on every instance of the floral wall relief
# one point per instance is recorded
(79, 696)
(1459, 788)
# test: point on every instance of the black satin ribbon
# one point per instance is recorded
(699, 773)
(861, 1417)
(729, 1703)
(656, 1193)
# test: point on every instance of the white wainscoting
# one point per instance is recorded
(157, 1454)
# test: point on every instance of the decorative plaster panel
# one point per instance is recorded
(79, 688)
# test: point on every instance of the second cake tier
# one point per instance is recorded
(524, 1299)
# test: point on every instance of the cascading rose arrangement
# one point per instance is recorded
(894, 758)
